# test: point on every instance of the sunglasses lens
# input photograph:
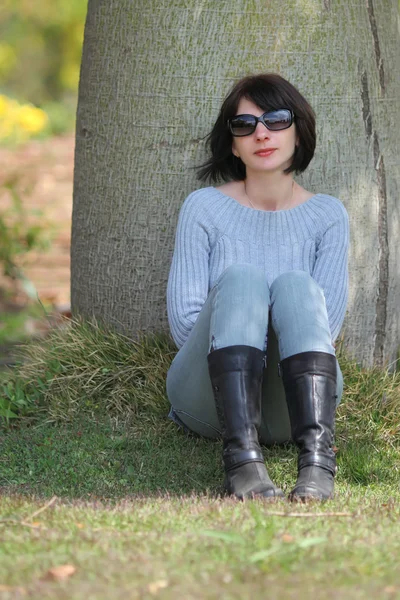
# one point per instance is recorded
(243, 125)
(278, 119)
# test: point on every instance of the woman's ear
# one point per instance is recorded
(235, 152)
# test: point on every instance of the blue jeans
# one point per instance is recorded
(241, 309)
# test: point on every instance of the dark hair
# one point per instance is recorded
(268, 91)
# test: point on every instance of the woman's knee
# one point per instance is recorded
(297, 286)
(244, 274)
(296, 280)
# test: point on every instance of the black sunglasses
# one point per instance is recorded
(274, 120)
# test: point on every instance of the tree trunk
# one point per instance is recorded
(152, 80)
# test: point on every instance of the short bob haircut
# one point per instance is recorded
(268, 91)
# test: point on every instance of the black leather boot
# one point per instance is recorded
(236, 376)
(309, 379)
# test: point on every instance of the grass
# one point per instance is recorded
(82, 368)
(201, 547)
(138, 511)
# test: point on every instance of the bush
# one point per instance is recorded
(18, 236)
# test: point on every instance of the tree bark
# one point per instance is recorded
(152, 80)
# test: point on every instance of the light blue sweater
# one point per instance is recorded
(215, 231)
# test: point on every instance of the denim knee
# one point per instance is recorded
(300, 288)
(300, 279)
(238, 273)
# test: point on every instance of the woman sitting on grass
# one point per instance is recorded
(260, 265)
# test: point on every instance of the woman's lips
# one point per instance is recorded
(265, 152)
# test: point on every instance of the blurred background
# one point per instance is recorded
(40, 54)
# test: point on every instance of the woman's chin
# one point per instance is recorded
(267, 167)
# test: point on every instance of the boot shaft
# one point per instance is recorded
(236, 377)
(309, 380)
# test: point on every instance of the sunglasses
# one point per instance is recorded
(274, 120)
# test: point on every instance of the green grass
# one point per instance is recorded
(105, 460)
(102, 460)
(138, 510)
(203, 547)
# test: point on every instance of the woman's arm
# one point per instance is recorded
(331, 269)
(188, 278)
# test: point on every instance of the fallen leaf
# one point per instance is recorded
(390, 589)
(286, 537)
(155, 586)
(59, 573)
(35, 524)
(79, 525)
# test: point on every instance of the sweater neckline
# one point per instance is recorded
(268, 212)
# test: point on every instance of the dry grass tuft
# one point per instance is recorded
(84, 367)
(87, 367)
(371, 403)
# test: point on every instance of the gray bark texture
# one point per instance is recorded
(153, 78)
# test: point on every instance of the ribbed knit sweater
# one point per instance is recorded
(215, 231)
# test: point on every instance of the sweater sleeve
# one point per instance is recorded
(331, 269)
(187, 288)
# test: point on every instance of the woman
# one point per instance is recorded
(260, 267)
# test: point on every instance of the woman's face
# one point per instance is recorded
(264, 150)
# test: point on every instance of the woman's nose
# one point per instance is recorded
(262, 132)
